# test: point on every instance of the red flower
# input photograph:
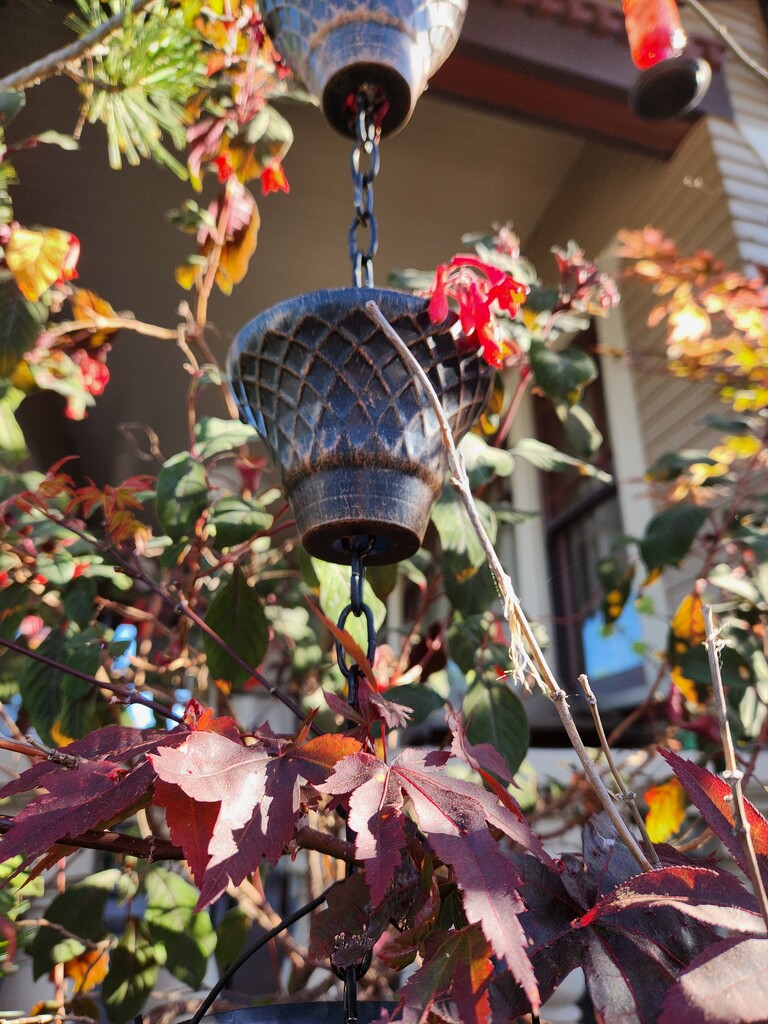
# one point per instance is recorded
(95, 373)
(273, 179)
(224, 168)
(475, 287)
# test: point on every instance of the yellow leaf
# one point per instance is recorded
(39, 258)
(236, 255)
(685, 685)
(87, 305)
(688, 621)
(60, 738)
(666, 810)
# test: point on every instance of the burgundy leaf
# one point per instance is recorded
(457, 969)
(630, 959)
(480, 756)
(92, 795)
(726, 984)
(257, 798)
(714, 897)
(347, 930)
(191, 823)
(455, 815)
(712, 796)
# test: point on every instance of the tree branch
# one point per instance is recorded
(55, 62)
(732, 774)
(523, 636)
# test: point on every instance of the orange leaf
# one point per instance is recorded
(39, 258)
(666, 804)
(88, 970)
(349, 644)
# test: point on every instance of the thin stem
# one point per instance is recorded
(522, 632)
(122, 692)
(254, 948)
(22, 748)
(54, 62)
(627, 795)
(112, 323)
(724, 33)
(733, 775)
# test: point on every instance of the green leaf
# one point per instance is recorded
(188, 937)
(580, 429)
(483, 462)
(670, 534)
(418, 697)
(13, 448)
(334, 598)
(78, 601)
(465, 637)
(236, 614)
(270, 135)
(468, 594)
(20, 321)
(182, 494)
(457, 538)
(11, 102)
(81, 911)
(133, 967)
(494, 714)
(236, 520)
(214, 436)
(562, 376)
(544, 456)
(57, 701)
(231, 935)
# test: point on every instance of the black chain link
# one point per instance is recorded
(358, 547)
(365, 167)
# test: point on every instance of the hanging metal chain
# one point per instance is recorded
(365, 167)
(358, 547)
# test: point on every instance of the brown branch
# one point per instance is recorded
(154, 848)
(113, 323)
(54, 62)
(627, 796)
(523, 637)
(733, 775)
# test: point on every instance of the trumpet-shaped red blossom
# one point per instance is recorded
(476, 287)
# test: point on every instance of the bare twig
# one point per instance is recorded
(522, 632)
(122, 693)
(733, 775)
(627, 796)
(112, 323)
(723, 32)
(54, 63)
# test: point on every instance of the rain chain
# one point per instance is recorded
(358, 548)
(365, 167)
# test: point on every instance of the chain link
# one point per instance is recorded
(365, 167)
(358, 547)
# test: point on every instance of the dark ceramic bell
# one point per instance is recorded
(354, 440)
(390, 47)
(671, 88)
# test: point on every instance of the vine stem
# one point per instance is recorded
(724, 33)
(628, 797)
(54, 62)
(518, 623)
(733, 775)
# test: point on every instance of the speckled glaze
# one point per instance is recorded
(356, 444)
(337, 46)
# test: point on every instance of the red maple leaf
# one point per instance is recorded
(455, 815)
(256, 794)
